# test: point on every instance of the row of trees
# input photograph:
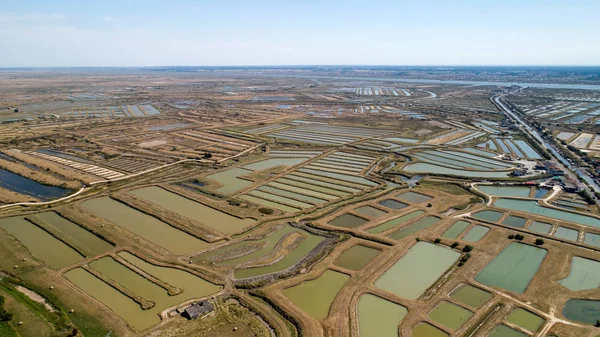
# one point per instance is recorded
(5, 316)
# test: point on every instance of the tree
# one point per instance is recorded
(467, 248)
(454, 245)
(597, 325)
(265, 210)
(519, 237)
(539, 241)
(437, 240)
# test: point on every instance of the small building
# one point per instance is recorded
(198, 309)
(539, 165)
(569, 185)
(552, 169)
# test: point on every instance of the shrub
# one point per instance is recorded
(539, 241)
(418, 239)
(467, 248)
(511, 236)
(519, 237)
(437, 240)
(460, 264)
(265, 210)
(454, 245)
(429, 205)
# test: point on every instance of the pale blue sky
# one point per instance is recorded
(177, 32)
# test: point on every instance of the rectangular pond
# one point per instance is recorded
(230, 181)
(584, 275)
(413, 197)
(316, 296)
(145, 226)
(40, 244)
(370, 211)
(392, 204)
(454, 231)
(394, 222)
(119, 303)
(471, 296)
(515, 221)
(436, 169)
(450, 315)
(525, 319)
(84, 238)
(379, 317)
(356, 257)
(592, 239)
(540, 227)
(530, 206)
(206, 215)
(348, 220)
(509, 191)
(505, 331)
(513, 268)
(491, 216)
(407, 278)
(413, 228)
(566, 234)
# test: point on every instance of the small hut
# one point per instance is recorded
(198, 309)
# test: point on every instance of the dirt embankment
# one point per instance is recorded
(70, 174)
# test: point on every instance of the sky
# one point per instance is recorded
(64, 33)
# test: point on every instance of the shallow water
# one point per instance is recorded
(584, 275)
(513, 268)
(122, 305)
(427, 330)
(471, 296)
(592, 239)
(288, 261)
(73, 231)
(208, 216)
(379, 317)
(436, 169)
(230, 181)
(454, 231)
(510, 191)
(392, 204)
(273, 162)
(394, 222)
(40, 244)
(356, 257)
(504, 331)
(348, 220)
(525, 319)
(407, 278)
(476, 233)
(491, 216)
(145, 226)
(532, 207)
(540, 227)
(585, 311)
(566, 234)
(450, 315)
(413, 197)
(413, 228)
(515, 221)
(370, 211)
(316, 296)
